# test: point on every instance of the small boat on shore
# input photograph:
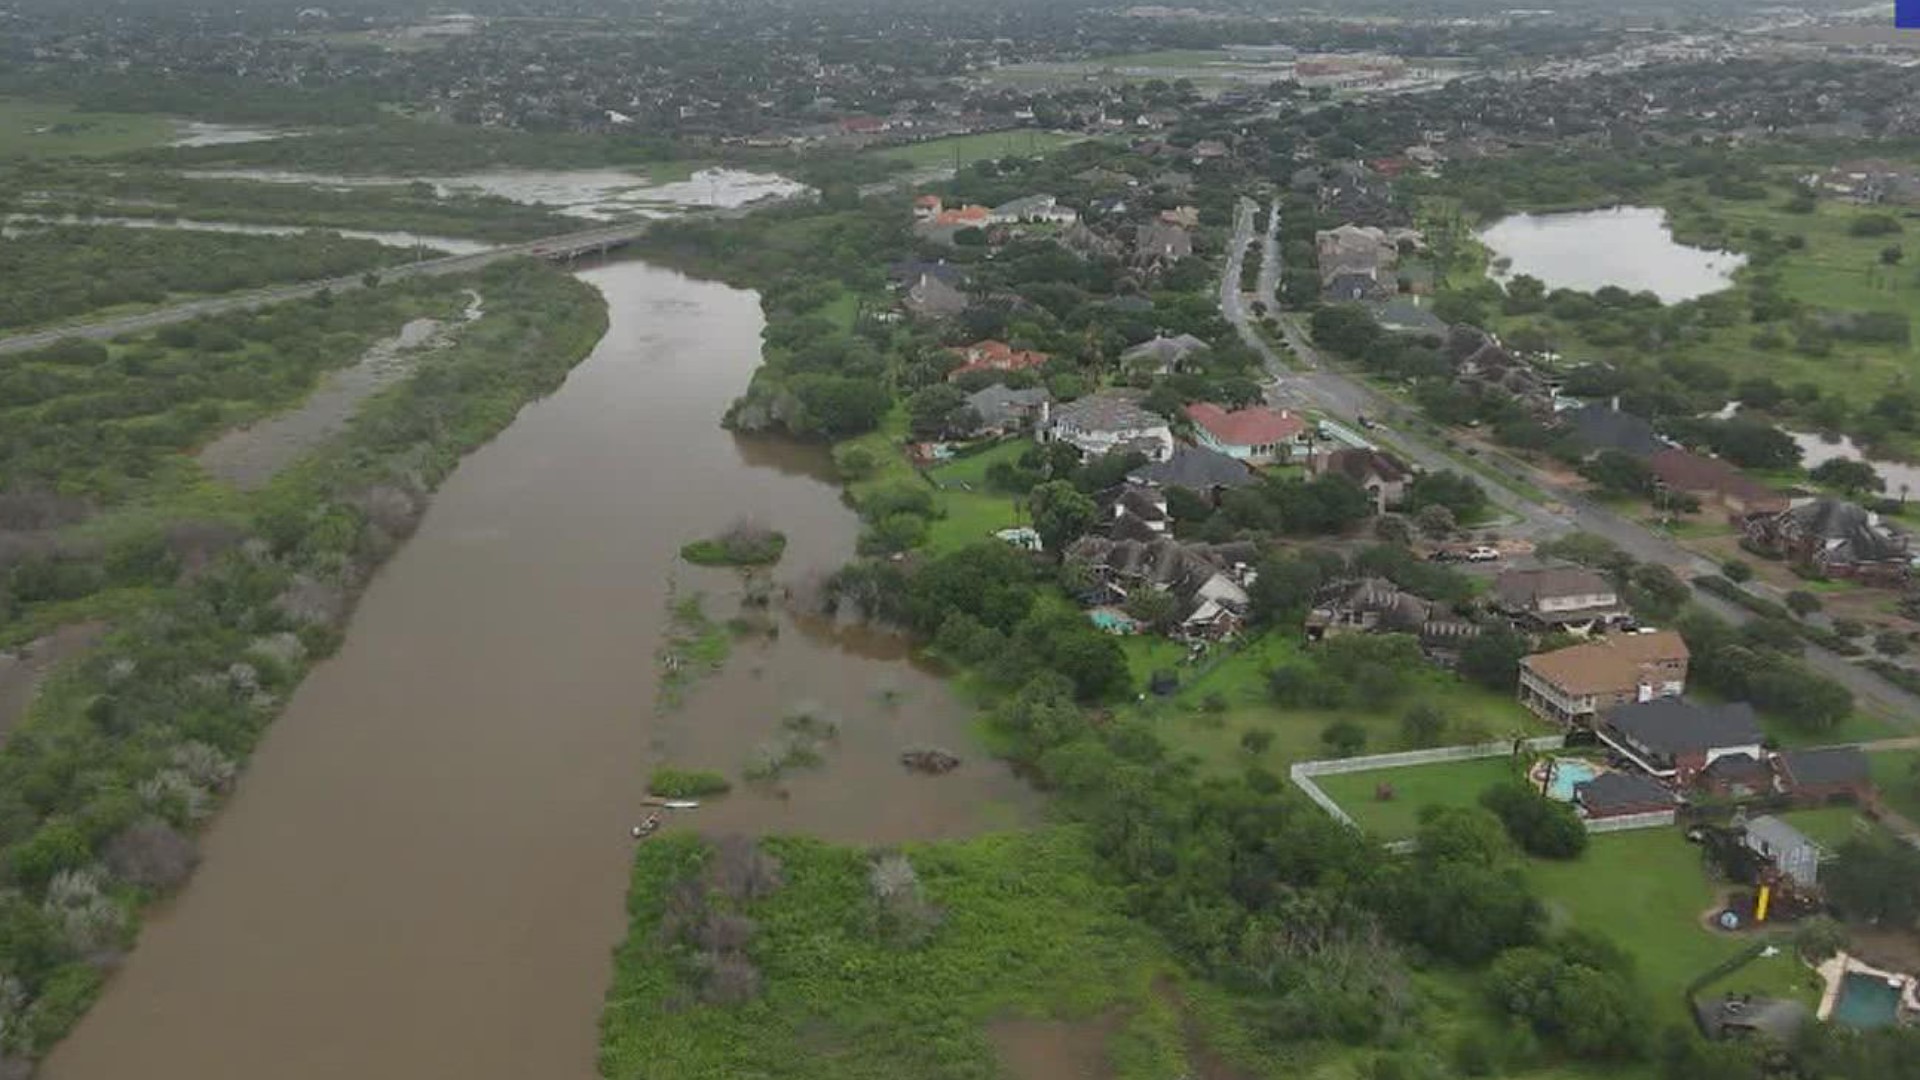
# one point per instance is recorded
(671, 804)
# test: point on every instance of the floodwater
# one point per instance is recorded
(202, 133)
(1627, 246)
(424, 869)
(1902, 478)
(592, 194)
(13, 224)
(248, 457)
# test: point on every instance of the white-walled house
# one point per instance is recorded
(1257, 435)
(1109, 420)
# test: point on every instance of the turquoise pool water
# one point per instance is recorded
(1866, 1001)
(1113, 622)
(1569, 773)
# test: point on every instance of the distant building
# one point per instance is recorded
(1161, 355)
(1558, 597)
(1381, 475)
(1602, 426)
(1002, 411)
(995, 356)
(1620, 794)
(1202, 471)
(1713, 480)
(1833, 538)
(1034, 209)
(1676, 740)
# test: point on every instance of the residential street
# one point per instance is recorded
(1313, 384)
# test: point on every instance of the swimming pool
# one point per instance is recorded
(1569, 773)
(1866, 1001)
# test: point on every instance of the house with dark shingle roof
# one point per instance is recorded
(1618, 794)
(1602, 426)
(1675, 739)
(1162, 354)
(1002, 410)
(1834, 538)
(1198, 469)
(1375, 605)
(1820, 775)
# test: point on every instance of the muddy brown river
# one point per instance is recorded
(424, 868)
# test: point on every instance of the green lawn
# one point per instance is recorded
(1648, 891)
(1829, 826)
(1450, 783)
(43, 129)
(1894, 773)
(1027, 142)
(1240, 682)
(976, 514)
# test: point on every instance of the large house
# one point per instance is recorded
(935, 297)
(1833, 538)
(1574, 685)
(1377, 606)
(1381, 475)
(1207, 581)
(1002, 410)
(994, 356)
(1161, 355)
(1198, 469)
(1256, 435)
(1602, 426)
(1677, 740)
(1713, 480)
(1560, 597)
(1111, 420)
(1159, 243)
(1033, 209)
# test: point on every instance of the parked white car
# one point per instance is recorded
(1483, 554)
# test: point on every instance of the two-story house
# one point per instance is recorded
(1573, 685)
(1558, 597)
(1256, 435)
(1111, 420)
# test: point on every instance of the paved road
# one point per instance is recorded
(1310, 382)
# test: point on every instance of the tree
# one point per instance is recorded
(1658, 590)
(1753, 444)
(1802, 602)
(931, 409)
(1154, 608)
(1619, 473)
(1393, 529)
(1444, 487)
(1875, 879)
(1493, 658)
(1736, 571)
(1891, 255)
(1343, 738)
(1890, 643)
(1422, 726)
(1345, 328)
(1848, 476)
(1541, 826)
(1435, 522)
(1061, 513)
(1255, 741)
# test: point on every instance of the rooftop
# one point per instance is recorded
(1526, 587)
(1671, 726)
(1612, 663)
(1195, 468)
(1833, 765)
(1256, 426)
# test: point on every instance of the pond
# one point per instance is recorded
(1627, 246)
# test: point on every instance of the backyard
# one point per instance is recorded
(1219, 704)
(1647, 890)
(1897, 774)
(972, 511)
(1414, 788)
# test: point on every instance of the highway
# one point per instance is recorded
(1315, 384)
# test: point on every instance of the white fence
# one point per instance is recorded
(1652, 819)
(1302, 774)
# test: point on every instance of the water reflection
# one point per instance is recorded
(1627, 246)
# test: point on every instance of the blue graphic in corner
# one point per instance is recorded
(1906, 13)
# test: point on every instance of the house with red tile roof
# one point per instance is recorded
(1256, 435)
(994, 356)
